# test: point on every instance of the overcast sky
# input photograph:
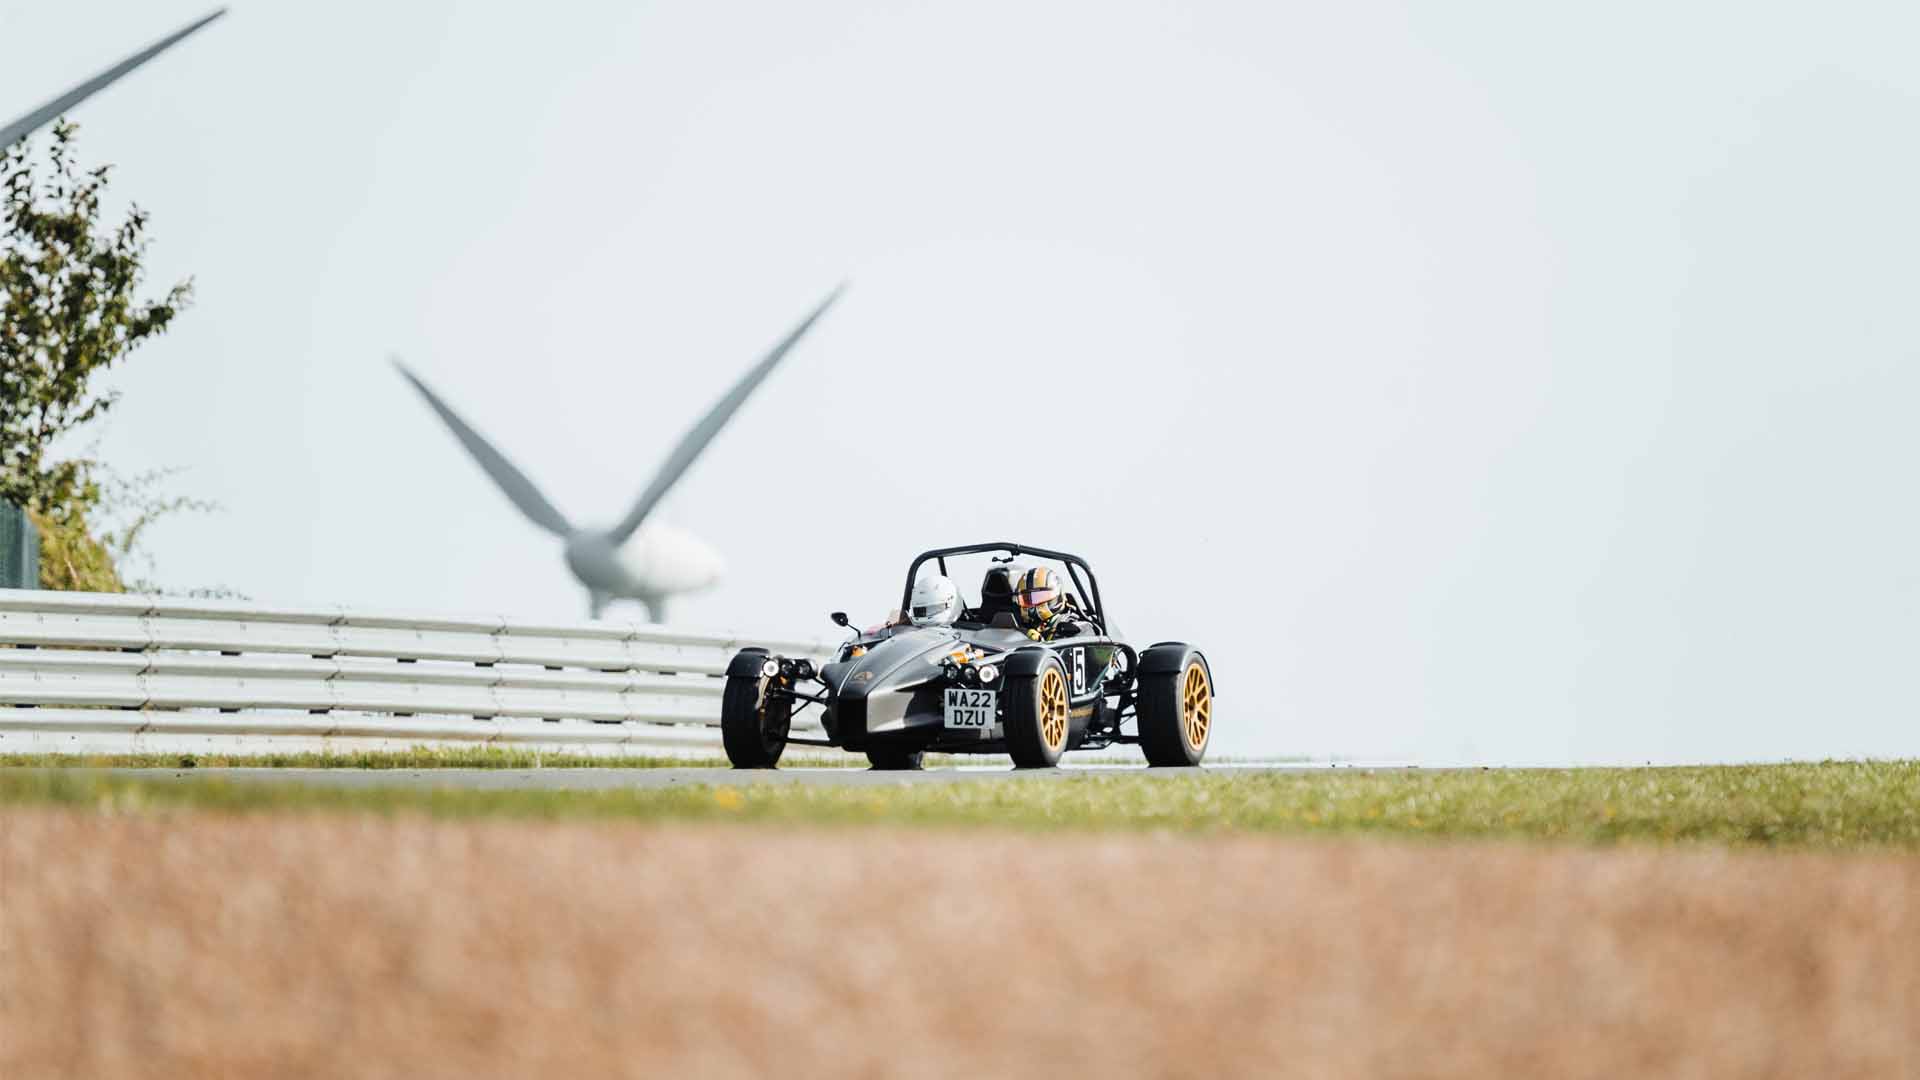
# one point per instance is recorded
(1474, 381)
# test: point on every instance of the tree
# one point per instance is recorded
(68, 310)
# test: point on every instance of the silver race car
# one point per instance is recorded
(1032, 668)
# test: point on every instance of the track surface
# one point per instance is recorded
(585, 779)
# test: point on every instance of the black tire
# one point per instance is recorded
(1176, 707)
(753, 727)
(895, 760)
(1036, 717)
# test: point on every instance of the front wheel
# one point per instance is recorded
(754, 724)
(1036, 719)
(1176, 706)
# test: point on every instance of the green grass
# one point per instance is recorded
(420, 757)
(475, 757)
(1808, 806)
(481, 757)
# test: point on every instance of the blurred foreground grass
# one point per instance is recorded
(1835, 805)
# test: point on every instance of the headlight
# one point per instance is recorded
(988, 673)
(789, 668)
(805, 669)
(770, 668)
(970, 675)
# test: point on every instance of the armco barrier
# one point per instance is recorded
(92, 672)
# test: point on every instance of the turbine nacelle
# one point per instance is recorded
(658, 561)
(665, 560)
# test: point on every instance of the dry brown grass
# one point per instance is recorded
(195, 944)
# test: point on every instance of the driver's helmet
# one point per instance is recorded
(1038, 595)
(935, 602)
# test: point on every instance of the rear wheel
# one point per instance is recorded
(1036, 721)
(895, 760)
(1176, 710)
(754, 725)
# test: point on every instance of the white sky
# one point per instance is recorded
(1499, 381)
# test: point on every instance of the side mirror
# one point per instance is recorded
(840, 619)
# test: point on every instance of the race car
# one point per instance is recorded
(1030, 667)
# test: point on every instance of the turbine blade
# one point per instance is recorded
(26, 125)
(511, 480)
(703, 432)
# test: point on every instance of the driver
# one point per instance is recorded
(935, 602)
(1046, 609)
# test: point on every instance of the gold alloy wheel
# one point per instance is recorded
(1053, 709)
(1196, 706)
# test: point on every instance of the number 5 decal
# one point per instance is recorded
(1080, 671)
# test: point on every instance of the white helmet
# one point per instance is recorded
(935, 602)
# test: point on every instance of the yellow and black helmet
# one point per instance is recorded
(1038, 595)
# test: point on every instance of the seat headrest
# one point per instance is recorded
(998, 584)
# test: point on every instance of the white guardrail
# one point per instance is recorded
(99, 673)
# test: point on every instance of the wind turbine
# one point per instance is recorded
(26, 125)
(629, 560)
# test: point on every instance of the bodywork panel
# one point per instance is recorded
(894, 693)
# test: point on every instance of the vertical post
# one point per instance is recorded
(19, 549)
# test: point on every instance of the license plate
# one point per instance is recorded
(970, 710)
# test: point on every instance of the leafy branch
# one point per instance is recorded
(68, 310)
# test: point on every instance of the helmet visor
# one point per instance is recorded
(926, 614)
(1032, 598)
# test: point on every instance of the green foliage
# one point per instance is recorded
(71, 559)
(68, 311)
(1834, 805)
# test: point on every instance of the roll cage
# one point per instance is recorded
(1077, 569)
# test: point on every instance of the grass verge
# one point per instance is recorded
(1834, 805)
(493, 757)
(419, 757)
(504, 758)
